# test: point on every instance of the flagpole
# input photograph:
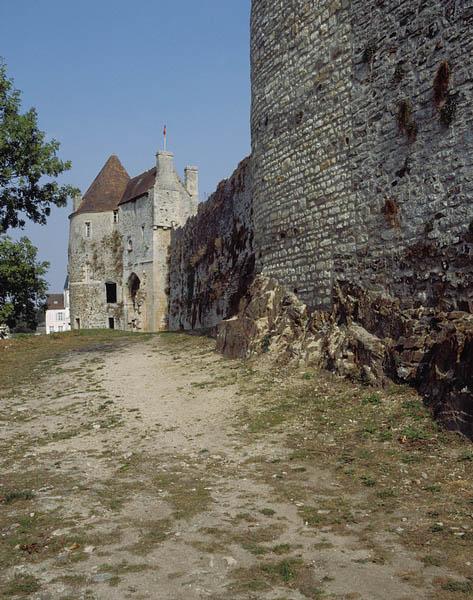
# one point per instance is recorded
(165, 138)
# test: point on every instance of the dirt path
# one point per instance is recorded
(142, 472)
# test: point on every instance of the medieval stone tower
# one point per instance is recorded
(362, 147)
(118, 245)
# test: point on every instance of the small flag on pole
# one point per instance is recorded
(165, 136)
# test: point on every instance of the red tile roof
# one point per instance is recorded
(55, 301)
(107, 188)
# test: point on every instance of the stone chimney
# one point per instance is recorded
(192, 181)
(76, 200)
(165, 165)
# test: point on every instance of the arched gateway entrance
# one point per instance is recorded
(134, 284)
(135, 303)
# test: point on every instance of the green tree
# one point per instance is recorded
(28, 163)
(22, 286)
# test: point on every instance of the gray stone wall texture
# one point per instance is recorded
(93, 261)
(362, 147)
(129, 248)
(136, 230)
(212, 258)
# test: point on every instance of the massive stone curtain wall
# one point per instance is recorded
(211, 258)
(363, 147)
(413, 150)
(301, 53)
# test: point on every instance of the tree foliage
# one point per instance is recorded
(22, 286)
(28, 163)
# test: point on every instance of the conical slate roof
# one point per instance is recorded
(107, 188)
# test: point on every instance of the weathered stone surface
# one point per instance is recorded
(365, 337)
(445, 376)
(119, 235)
(93, 261)
(362, 148)
(211, 258)
(274, 321)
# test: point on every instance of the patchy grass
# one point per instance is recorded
(464, 587)
(281, 549)
(285, 570)
(124, 567)
(21, 358)
(152, 534)
(186, 493)
(255, 549)
(72, 580)
(113, 493)
(292, 573)
(389, 457)
(346, 460)
(12, 496)
(21, 586)
(250, 538)
(33, 540)
(336, 511)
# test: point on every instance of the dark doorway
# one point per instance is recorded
(111, 289)
(111, 323)
(77, 323)
(133, 286)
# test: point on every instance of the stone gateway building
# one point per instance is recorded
(120, 232)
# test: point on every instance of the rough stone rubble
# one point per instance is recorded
(364, 337)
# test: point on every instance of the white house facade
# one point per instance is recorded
(58, 313)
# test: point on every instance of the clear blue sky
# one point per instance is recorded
(105, 75)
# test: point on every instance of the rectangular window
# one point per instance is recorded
(60, 328)
(87, 229)
(51, 329)
(60, 317)
(142, 232)
(115, 216)
(111, 290)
